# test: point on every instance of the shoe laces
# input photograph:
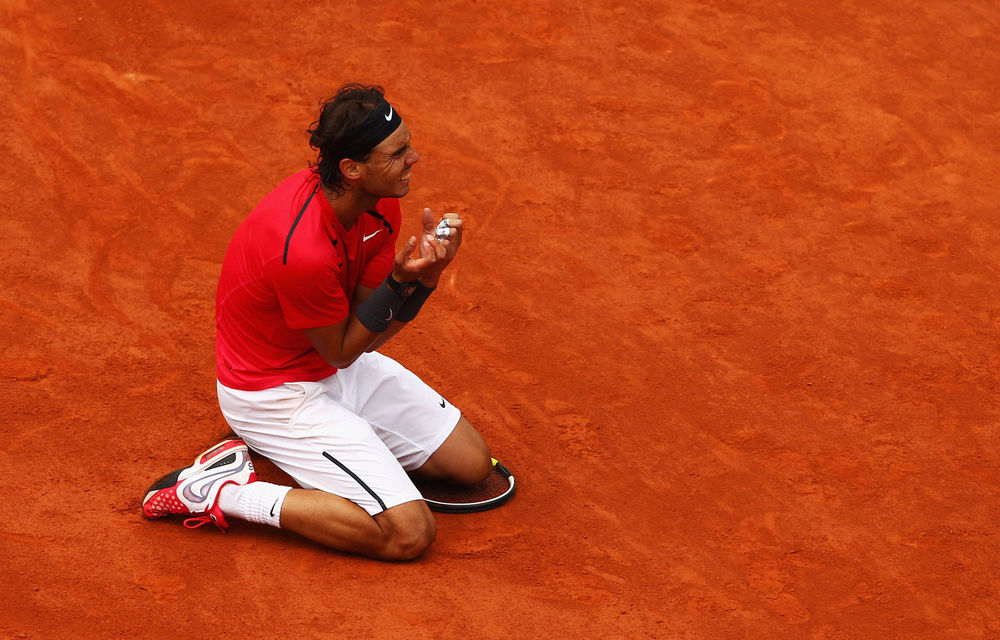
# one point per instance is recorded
(194, 523)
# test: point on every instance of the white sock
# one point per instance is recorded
(256, 502)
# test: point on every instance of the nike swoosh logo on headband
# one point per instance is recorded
(388, 117)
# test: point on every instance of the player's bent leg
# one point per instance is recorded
(463, 457)
(402, 532)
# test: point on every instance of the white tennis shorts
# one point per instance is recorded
(353, 434)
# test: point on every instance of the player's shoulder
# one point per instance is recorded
(279, 208)
(292, 192)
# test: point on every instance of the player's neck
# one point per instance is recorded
(349, 205)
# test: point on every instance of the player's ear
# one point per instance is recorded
(350, 169)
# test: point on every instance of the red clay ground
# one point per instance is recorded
(727, 305)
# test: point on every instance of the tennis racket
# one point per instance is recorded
(445, 497)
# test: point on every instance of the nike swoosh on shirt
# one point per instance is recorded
(389, 116)
(370, 236)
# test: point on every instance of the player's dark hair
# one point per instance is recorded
(334, 134)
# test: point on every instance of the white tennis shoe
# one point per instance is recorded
(194, 490)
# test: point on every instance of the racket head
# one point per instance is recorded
(445, 497)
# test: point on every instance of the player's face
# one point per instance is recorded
(388, 166)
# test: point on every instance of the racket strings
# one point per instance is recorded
(441, 495)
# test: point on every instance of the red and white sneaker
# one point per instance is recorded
(195, 490)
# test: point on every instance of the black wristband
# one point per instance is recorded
(377, 312)
(413, 303)
(402, 288)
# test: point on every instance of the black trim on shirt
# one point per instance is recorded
(379, 216)
(284, 257)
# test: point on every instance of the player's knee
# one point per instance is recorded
(408, 531)
(474, 468)
(480, 468)
(406, 545)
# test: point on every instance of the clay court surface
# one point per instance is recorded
(727, 306)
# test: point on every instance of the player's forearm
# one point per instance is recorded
(342, 344)
(382, 338)
(359, 340)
